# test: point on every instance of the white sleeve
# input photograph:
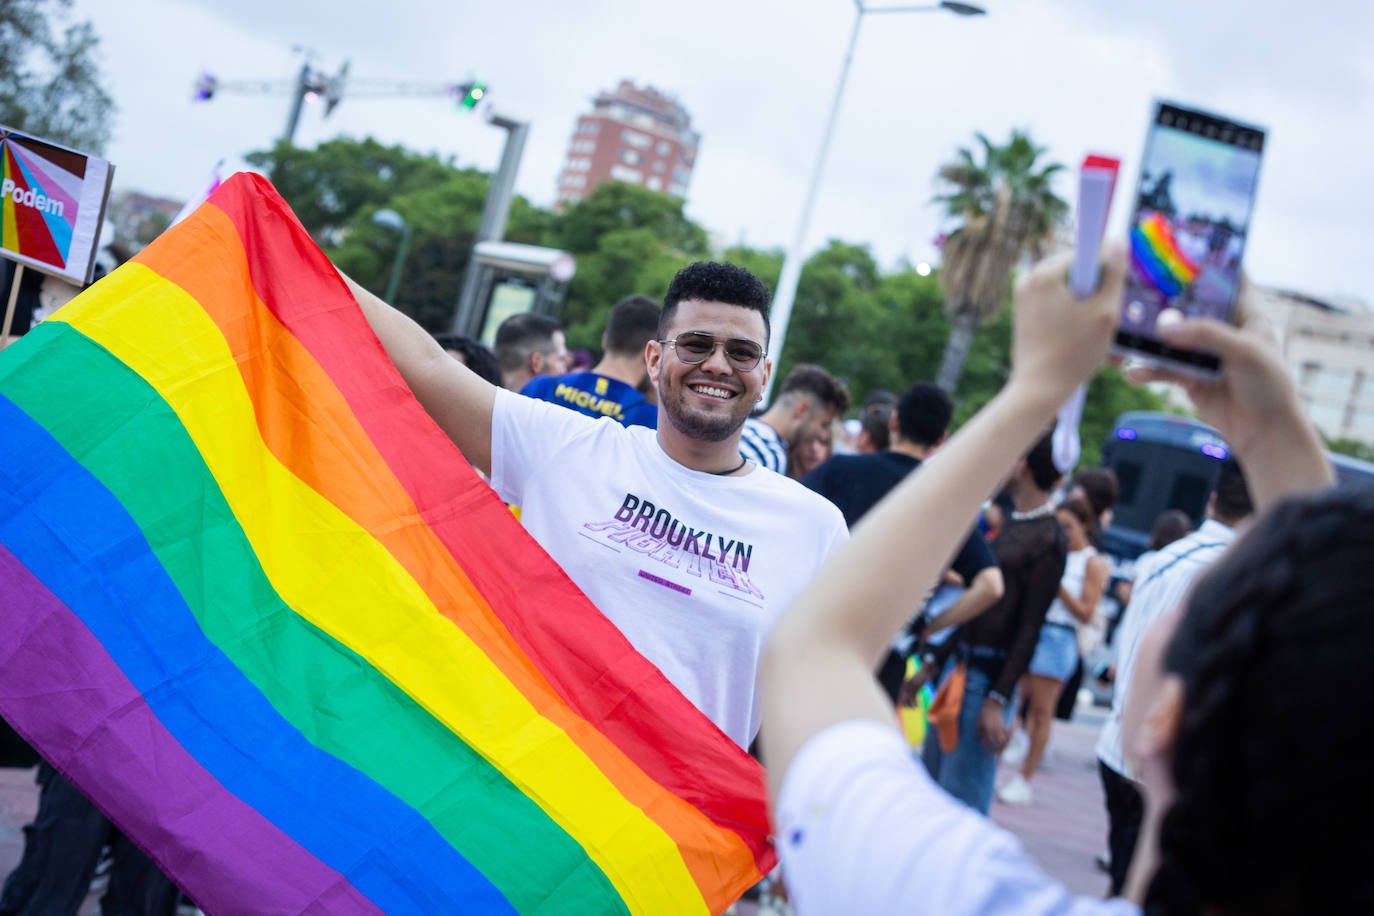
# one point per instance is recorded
(525, 435)
(861, 828)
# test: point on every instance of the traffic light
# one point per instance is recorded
(205, 88)
(469, 94)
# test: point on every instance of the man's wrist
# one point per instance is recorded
(995, 696)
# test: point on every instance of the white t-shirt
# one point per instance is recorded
(1160, 586)
(861, 828)
(1075, 571)
(694, 568)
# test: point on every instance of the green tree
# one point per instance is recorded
(764, 263)
(1352, 447)
(328, 186)
(987, 367)
(337, 187)
(835, 298)
(626, 240)
(1004, 209)
(50, 85)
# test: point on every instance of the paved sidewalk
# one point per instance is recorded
(1065, 827)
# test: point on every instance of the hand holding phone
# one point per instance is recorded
(1188, 231)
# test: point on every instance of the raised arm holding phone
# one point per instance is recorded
(860, 825)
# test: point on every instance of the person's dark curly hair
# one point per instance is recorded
(714, 281)
(1100, 486)
(1169, 526)
(1271, 756)
(1040, 462)
(923, 413)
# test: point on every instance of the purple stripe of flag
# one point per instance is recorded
(89, 704)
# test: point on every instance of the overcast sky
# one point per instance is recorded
(758, 77)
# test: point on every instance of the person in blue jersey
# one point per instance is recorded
(614, 386)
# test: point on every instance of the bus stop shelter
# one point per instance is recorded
(512, 278)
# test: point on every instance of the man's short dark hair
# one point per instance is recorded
(817, 383)
(713, 281)
(521, 335)
(1233, 495)
(475, 356)
(1040, 463)
(923, 413)
(633, 323)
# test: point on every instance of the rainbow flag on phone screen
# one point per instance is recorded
(258, 607)
(1157, 257)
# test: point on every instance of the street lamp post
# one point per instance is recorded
(492, 227)
(785, 296)
(392, 220)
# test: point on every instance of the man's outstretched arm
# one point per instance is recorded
(458, 400)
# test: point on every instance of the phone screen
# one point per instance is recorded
(1188, 230)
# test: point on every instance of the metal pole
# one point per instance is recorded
(297, 100)
(502, 190)
(9, 309)
(394, 283)
(785, 296)
(494, 213)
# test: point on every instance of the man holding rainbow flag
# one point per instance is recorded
(257, 606)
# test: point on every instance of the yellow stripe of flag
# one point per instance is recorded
(344, 582)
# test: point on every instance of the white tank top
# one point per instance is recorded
(1075, 568)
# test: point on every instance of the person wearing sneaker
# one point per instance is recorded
(996, 646)
(1246, 707)
(1056, 652)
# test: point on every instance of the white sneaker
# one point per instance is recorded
(1014, 754)
(1016, 791)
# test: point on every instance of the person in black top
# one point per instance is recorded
(997, 645)
(855, 483)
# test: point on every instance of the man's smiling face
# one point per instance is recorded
(709, 401)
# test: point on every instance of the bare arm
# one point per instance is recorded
(1094, 584)
(817, 668)
(982, 593)
(458, 400)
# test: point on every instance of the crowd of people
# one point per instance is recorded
(856, 561)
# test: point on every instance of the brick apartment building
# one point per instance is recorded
(632, 134)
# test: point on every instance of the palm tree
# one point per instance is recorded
(1005, 211)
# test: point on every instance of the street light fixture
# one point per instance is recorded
(785, 296)
(393, 220)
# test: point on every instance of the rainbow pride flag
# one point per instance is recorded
(257, 606)
(1157, 257)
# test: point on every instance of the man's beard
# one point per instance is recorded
(696, 425)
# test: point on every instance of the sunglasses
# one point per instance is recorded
(696, 347)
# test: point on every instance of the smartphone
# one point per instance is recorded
(1189, 224)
